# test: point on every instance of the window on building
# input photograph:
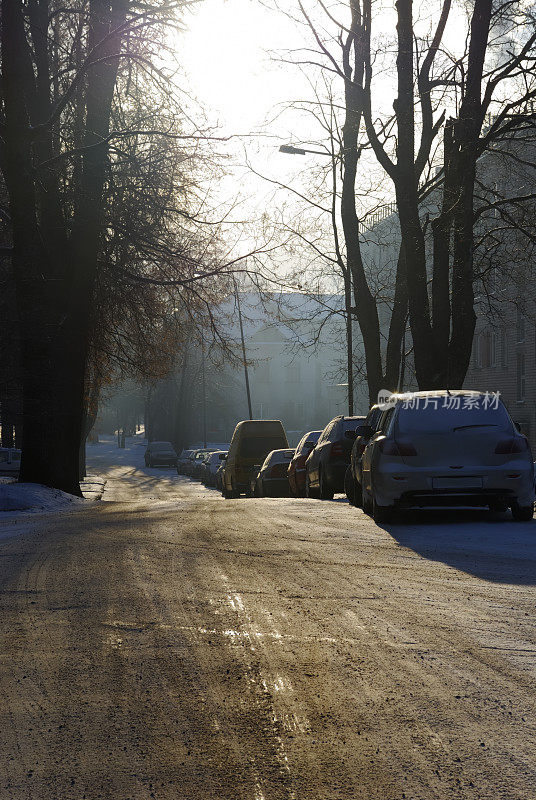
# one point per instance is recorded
(494, 346)
(504, 348)
(483, 347)
(520, 327)
(262, 372)
(478, 350)
(521, 380)
(293, 372)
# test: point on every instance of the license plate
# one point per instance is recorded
(469, 482)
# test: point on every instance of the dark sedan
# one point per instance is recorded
(327, 463)
(160, 454)
(296, 469)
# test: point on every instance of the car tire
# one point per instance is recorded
(366, 501)
(310, 493)
(325, 493)
(522, 513)
(349, 486)
(381, 514)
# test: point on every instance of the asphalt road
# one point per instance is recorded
(167, 643)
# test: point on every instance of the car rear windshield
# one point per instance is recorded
(259, 446)
(352, 424)
(443, 414)
(162, 446)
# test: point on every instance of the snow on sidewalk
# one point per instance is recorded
(34, 498)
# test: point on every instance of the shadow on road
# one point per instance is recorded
(488, 546)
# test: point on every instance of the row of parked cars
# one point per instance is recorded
(455, 448)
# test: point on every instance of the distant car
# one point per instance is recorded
(9, 461)
(198, 464)
(326, 465)
(272, 478)
(252, 441)
(453, 448)
(296, 469)
(212, 464)
(182, 461)
(352, 479)
(160, 454)
(189, 463)
(192, 464)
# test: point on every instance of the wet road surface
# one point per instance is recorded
(167, 643)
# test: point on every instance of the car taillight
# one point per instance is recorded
(515, 444)
(337, 450)
(391, 448)
(279, 471)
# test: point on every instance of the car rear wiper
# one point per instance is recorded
(482, 425)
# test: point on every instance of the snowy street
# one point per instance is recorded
(166, 643)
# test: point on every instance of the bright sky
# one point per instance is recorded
(227, 55)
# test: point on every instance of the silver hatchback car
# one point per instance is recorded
(455, 448)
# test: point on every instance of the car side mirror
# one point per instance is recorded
(364, 430)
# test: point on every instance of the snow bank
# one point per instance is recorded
(36, 498)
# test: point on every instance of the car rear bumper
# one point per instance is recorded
(299, 480)
(275, 487)
(402, 485)
(335, 472)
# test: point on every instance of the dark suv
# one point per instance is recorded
(352, 479)
(327, 463)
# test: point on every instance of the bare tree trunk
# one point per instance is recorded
(366, 310)
(54, 277)
(407, 198)
(442, 236)
(467, 133)
(397, 327)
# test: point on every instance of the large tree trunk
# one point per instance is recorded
(397, 328)
(54, 278)
(467, 133)
(407, 198)
(366, 310)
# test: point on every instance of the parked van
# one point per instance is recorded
(252, 440)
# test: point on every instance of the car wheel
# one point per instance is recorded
(309, 492)
(349, 486)
(381, 514)
(522, 513)
(325, 492)
(366, 502)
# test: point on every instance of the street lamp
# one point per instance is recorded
(301, 151)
